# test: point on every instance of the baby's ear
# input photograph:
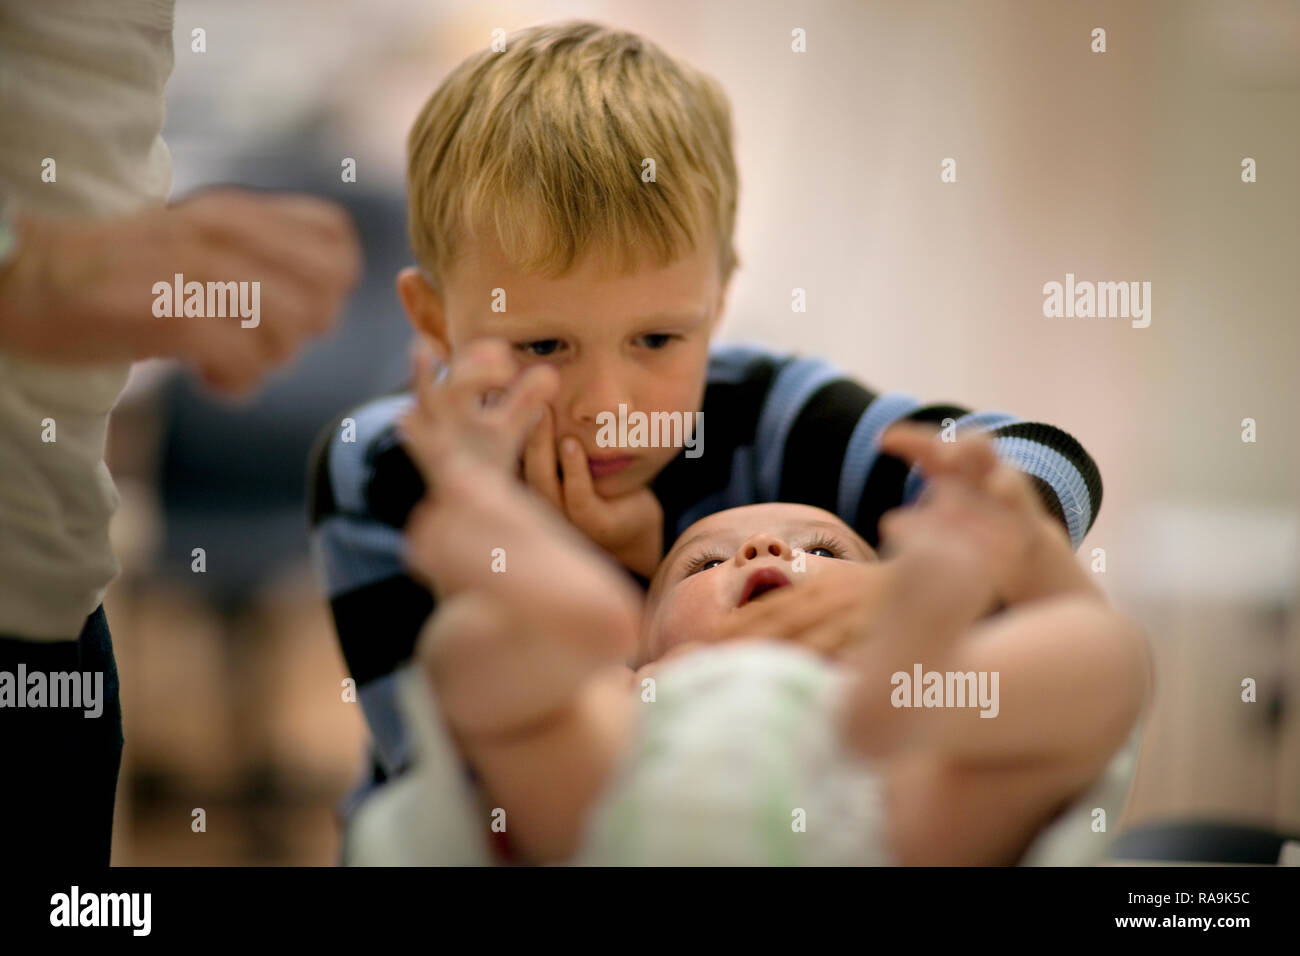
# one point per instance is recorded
(424, 308)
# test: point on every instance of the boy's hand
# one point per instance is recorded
(629, 527)
(973, 494)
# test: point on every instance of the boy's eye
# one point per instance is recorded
(657, 340)
(540, 348)
(829, 552)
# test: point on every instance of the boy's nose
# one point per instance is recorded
(600, 390)
(762, 545)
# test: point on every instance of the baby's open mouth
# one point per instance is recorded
(761, 582)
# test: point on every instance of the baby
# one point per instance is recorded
(774, 715)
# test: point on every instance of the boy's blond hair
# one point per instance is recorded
(544, 144)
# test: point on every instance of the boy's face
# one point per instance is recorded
(724, 561)
(639, 339)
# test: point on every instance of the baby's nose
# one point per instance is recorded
(762, 545)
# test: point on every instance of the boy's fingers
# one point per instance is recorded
(579, 490)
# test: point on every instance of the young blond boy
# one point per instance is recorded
(530, 218)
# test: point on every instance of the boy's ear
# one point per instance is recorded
(423, 307)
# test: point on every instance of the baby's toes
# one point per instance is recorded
(1013, 488)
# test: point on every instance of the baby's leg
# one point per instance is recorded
(527, 711)
(1067, 677)
(548, 777)
(944, 813)
(524, 653)
(528, 608)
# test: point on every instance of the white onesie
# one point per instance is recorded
(738, 761)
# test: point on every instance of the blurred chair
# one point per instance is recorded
(1201, 841)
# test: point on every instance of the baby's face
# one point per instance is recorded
(724, 561)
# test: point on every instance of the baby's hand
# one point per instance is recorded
(828, 614)
(483, 406)
(973, 495)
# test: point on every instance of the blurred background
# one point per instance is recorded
(1122, 166)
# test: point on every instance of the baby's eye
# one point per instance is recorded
(828, 546)
(540, 348)
(703, 564)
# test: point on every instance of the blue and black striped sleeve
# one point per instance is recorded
(362, 487)
(799, 429)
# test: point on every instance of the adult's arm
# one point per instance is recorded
(83, 289)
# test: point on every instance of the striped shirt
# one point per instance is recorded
(780, 428)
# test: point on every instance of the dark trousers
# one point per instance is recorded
(58, 767)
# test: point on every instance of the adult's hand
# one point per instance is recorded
(82, 289)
